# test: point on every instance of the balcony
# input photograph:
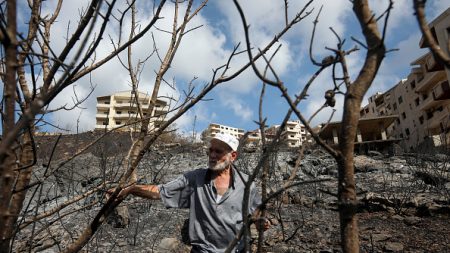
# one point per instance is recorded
(291, 124)
(157, 122)
(160, 111)
(291, 136)
(102, 127)
(430, 103)
(161, 106)
(432, 65)
(441, 91)
(125, 116)
(434, 124)
(101, 116)
(128, 96)
(103, 110)
(103, 99)
(416, 71)
(293, 131)
(379, 100)
(155, 108)
(254, 137)
(103, 106)
(429, 80)
(440, 96)
(124, 106)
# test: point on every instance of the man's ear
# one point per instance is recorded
(234, 155)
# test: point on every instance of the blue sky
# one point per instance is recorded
(236, 103)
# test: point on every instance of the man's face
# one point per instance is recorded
(220, 155)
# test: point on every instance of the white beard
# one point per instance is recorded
(222, 165)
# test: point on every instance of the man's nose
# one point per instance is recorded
(213, 154)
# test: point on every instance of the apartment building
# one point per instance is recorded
(254, 138)
(371, 132)
(422, 101)
(440, 27)
(215, 128)
(294, 134)
(120, 110)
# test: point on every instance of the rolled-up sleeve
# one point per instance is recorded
(176, 193)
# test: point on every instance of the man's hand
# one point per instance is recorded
(122, 194)
(143, 191)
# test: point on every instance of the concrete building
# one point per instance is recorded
(440, 29)
(422, 101)
(371, 133)
(121, 109)
(215, 128)
(415, 113)
(421, 104)
(294, 134)
(254, 138)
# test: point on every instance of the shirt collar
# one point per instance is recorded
(233, 176)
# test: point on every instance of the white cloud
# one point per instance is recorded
(199, 113)
(395, 66)
(209, 47)
(239, 108)
(80, 117)
(334, 14)
(259, 16)
(402, 11)
(201, 50)
(264, 24)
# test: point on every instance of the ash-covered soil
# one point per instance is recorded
(404, 203)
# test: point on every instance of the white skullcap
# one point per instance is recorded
(228, 139)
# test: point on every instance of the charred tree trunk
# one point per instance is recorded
(353, 98)
(9, 165)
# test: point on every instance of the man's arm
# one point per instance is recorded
(174, 193)
(143, 191)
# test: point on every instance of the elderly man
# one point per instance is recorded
(214, 197)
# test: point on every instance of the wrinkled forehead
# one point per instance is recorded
(214, 143)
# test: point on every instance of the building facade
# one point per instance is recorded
(121, 110)
(254, 138)
(371, 133)
(422, 101)
(294, 134)
(215, 128)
